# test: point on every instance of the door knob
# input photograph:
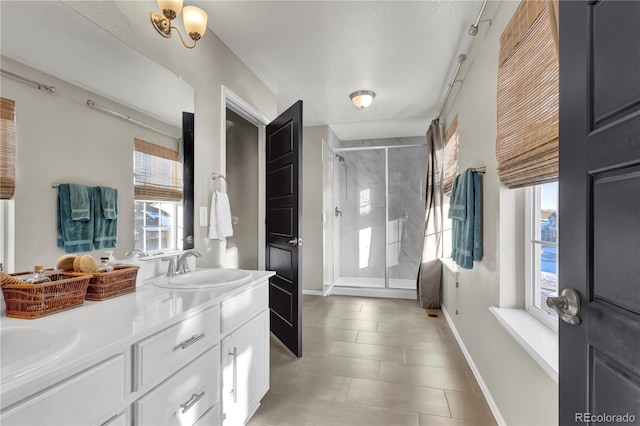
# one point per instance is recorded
(296, 242)
(567, 306)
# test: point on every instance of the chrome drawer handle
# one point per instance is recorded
(233, 391)
(191, 402)
(187, 343)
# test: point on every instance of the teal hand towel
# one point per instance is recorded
(105, 230)
(75, 236)
(458, 199)
(466, 197)
(108, 202)
(79, 199)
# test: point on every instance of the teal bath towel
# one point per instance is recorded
(105, 230)
(109, 202)
(79, 199)
(465, 210)
(75, 236)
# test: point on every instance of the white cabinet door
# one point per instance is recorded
(245, 377)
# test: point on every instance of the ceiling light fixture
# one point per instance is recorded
(195, 20)
(362, 98)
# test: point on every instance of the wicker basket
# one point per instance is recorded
(29, 301)
(106, 285)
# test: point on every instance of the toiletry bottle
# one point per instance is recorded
(112, 259)
(104, 265)
(38, 276)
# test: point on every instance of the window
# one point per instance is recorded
(7, 149)
(158, 198)
(450, 166)
(541, 251)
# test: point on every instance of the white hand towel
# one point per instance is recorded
(220, 217)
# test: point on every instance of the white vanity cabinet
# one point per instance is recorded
(210, 367)
(87, 398)
(245, 354)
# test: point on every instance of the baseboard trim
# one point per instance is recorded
(483, 386)
(312, 292)
(375, 292)
(327, 289)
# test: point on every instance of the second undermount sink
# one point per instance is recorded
(204, 278)
(25, 348)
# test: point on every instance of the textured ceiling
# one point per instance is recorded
(321, 51)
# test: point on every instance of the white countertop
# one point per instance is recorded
(107, 328)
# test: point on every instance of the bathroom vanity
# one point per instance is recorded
(154, 357)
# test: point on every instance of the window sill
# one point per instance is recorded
(536, 338)
(449, 264)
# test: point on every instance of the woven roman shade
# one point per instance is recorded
(450, 156)
(7, 149)
(527, 142)
(157, 173)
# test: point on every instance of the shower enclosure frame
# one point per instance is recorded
(362, 290)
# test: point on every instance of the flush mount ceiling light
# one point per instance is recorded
(362, 98)
(195, 20)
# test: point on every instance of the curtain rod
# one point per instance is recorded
(41, 86)
(92, 104)
(461, 58)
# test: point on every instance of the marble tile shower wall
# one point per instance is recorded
(360, 194)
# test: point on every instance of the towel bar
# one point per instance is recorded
(216, 176)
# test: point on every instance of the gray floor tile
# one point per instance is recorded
(469, 407)
(428, 420)
(321, 333)
(398, 396)
(445, 359)
(331, 413)
(365, 351)
(327, 388)
(389, 339)
(410, 329)
(321, 365)
(345, 324)
(443, 378)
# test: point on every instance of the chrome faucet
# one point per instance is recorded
(171, 270)
(135, 253)
(182, 266)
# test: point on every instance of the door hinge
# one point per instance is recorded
(457, 284)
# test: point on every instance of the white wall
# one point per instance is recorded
(59, 139)
(207, 67)
(522, 391)
(312, 194)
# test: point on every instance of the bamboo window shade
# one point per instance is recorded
(450, 156)
(7, 149)
(527, 141)
(157, 173)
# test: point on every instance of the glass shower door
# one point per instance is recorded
(407, 178)
(360, 200)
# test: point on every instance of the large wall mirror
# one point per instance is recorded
(62, 139)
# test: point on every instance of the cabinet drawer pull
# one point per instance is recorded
(191, 402)
(233, 391)
(187, 343)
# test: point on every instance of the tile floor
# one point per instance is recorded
(370, 361)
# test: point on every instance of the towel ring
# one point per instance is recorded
(216, 176)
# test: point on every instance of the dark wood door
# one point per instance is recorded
(284, 225)
(600, 208)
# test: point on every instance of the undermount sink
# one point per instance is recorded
(25, 348)
(203, 278)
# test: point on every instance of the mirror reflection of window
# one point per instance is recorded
(158, 197)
